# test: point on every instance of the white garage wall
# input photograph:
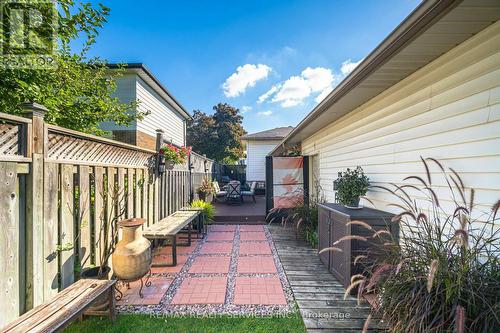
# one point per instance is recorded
(448, 110)
(256, 159)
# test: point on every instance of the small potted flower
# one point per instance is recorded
(350, 186)
(205, 189)
(171, 155)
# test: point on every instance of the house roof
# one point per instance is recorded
(277, 133)
(432, 29)
(144, 73)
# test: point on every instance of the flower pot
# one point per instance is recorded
(202, 196)
(354, 204)
(169, 165)
(101, 303)
(132, 255)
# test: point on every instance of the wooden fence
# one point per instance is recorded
(55, 195)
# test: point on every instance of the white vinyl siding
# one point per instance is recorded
(448, 110)
(162, 115)
(256, 159)
(126, 93)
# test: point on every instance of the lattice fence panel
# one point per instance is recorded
(65, 147)
(10, 139)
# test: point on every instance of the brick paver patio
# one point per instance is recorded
(152, 294)
(259, 290)
(255, 248)
(199, 286)
(252, 228)
(201, 290)
(220, 236)
(205, 264)
(217, 248)
(253, 236)
(256, 265)
(229, 227)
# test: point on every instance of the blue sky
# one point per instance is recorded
(287, 54)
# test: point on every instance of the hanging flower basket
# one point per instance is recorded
(171, 155)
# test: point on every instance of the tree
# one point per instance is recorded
(217, 136)
(77, 90)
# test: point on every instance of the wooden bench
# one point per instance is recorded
(68, 305)
(201, 227)
(168, 228)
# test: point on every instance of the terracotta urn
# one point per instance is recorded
(132, 255)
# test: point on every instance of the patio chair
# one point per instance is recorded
(250, 193)
(234, 192)
(218, 193)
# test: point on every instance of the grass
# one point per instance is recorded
(145, 323)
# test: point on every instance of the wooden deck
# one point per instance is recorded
(319, 296)
(248, 212)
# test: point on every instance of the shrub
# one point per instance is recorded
(444, 276)
(351, 185)
(208, 209)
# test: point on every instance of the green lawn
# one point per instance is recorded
(144, 323)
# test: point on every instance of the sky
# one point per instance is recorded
(274, 60)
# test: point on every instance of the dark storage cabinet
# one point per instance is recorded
(332, 225)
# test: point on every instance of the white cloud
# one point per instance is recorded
(265, 113)
(246, 108)
(268, 94)
(297, 88)
(348, 66)
(323, 94)
(245, 76)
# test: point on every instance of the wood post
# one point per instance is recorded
(34, 206)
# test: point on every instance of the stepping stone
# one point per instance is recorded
(223, 227)
(259, 291)
(167, 259)
(205, 264)
(245, 228)
(217, 248)
(253, 236)
(201, 290)
(255, 248)
(152, 294)
(256, 265)
(220, 236)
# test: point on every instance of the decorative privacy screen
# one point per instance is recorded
(288, 181)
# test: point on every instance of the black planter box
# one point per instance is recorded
(332, 225)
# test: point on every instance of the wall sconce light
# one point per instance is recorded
(161, 164)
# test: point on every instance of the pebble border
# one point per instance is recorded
(166, 309)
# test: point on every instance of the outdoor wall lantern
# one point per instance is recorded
(205, 166)
(161, 164)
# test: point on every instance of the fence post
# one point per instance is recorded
(34, 205)
(157, 182)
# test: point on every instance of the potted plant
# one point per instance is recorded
(205, 189)
(171, 155)
(351, 185)
(108, 234)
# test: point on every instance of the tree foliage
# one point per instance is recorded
(218, 136)
(77, 90)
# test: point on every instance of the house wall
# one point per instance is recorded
(162, 115)
(126, 93)
(131, 87)
(448, 110)
(256, 159)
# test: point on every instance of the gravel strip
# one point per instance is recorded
(166, 309)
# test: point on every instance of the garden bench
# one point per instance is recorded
(168, 228)
(71, 303)
(201, 227)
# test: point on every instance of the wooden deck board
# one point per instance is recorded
(319, 296)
